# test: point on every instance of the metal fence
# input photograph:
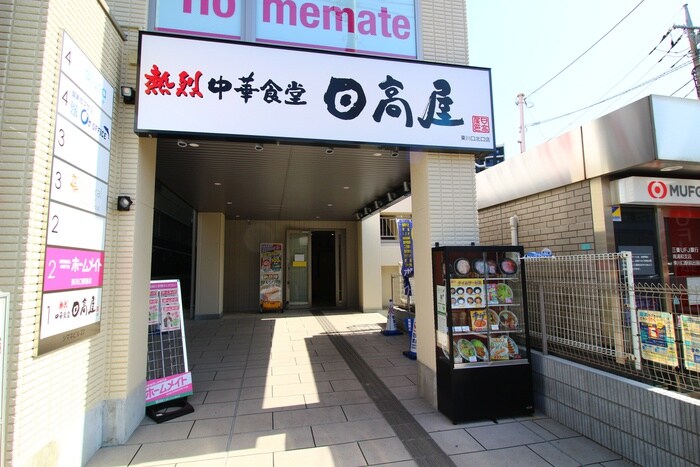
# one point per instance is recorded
(587, 308)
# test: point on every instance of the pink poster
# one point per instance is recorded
(168, 388)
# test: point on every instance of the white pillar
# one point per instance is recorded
(370, 268)
(443, 195)
(209, 280)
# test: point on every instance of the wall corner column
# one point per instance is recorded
(209, 280)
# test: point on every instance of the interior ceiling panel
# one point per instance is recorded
(281, 181)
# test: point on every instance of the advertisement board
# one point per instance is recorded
(218, 88)
(271, 284)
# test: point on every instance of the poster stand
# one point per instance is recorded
(169, 410)
(168, 379)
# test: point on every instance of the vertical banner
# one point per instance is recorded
(167, 373)
(271, 260)
(406, 243)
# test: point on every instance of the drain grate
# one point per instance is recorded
(418, 443)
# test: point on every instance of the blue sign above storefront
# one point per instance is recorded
(368, 27)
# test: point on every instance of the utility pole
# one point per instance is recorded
(693, 48)
(521, 109)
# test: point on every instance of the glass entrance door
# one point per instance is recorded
(298, 268)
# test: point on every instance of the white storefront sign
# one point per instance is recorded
(655, 191)
(206, 87)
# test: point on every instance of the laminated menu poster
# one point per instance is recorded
(167, 373)
(467, 293)
(690, 329)
(658, 337)
(271, 276)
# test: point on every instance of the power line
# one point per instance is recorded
(587, 50)
(667, 72)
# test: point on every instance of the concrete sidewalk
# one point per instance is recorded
(328, 389)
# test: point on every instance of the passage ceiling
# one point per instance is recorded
(281, 181)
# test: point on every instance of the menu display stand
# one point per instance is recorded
(481, 321)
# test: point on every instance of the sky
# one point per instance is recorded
(540, 48)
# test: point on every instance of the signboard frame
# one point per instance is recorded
(239, 91)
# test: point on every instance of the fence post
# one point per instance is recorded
(543, 322)
(632, 301)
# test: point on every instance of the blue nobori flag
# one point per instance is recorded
(405, 226)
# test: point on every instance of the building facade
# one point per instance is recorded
(623, 182)
(68, 389)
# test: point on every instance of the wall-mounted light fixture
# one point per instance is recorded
(124, 203)
(128, 94)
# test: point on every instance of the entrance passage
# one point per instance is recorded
(323, 268)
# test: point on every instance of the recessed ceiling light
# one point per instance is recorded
(346, 188)
(194, 145)
(330, 205)
(217, 183)
(671, 168)
(229, 202)
(378, 154)
(182, 143)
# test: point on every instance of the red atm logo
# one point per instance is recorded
(657, 189)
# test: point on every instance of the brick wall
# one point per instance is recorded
(559, 219)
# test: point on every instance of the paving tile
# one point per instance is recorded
(539, 430)
(113, 456)
(503, 435)
(337, 433)
(339, 455)
(456, 442)
(256, 460)
(289, 439)
(584, 450)
(385, 450)
(252, 423)
(269, 404)
(187, 450)
(280, 390)
(258, 381)
(217, 462)
(361, 412)
(167, 431)
(217, 385)
(211, 427)
(336, 398)
(553, 455)
(217, 410)
(226, 395)
(256, 392)
(510, 457)
(234, 373)
(308, 417)
(345, 385)
(556, 428)
(296, 369)
(396, 381)
(326, 376)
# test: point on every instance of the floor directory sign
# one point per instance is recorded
(167, 373)
(74, 256)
